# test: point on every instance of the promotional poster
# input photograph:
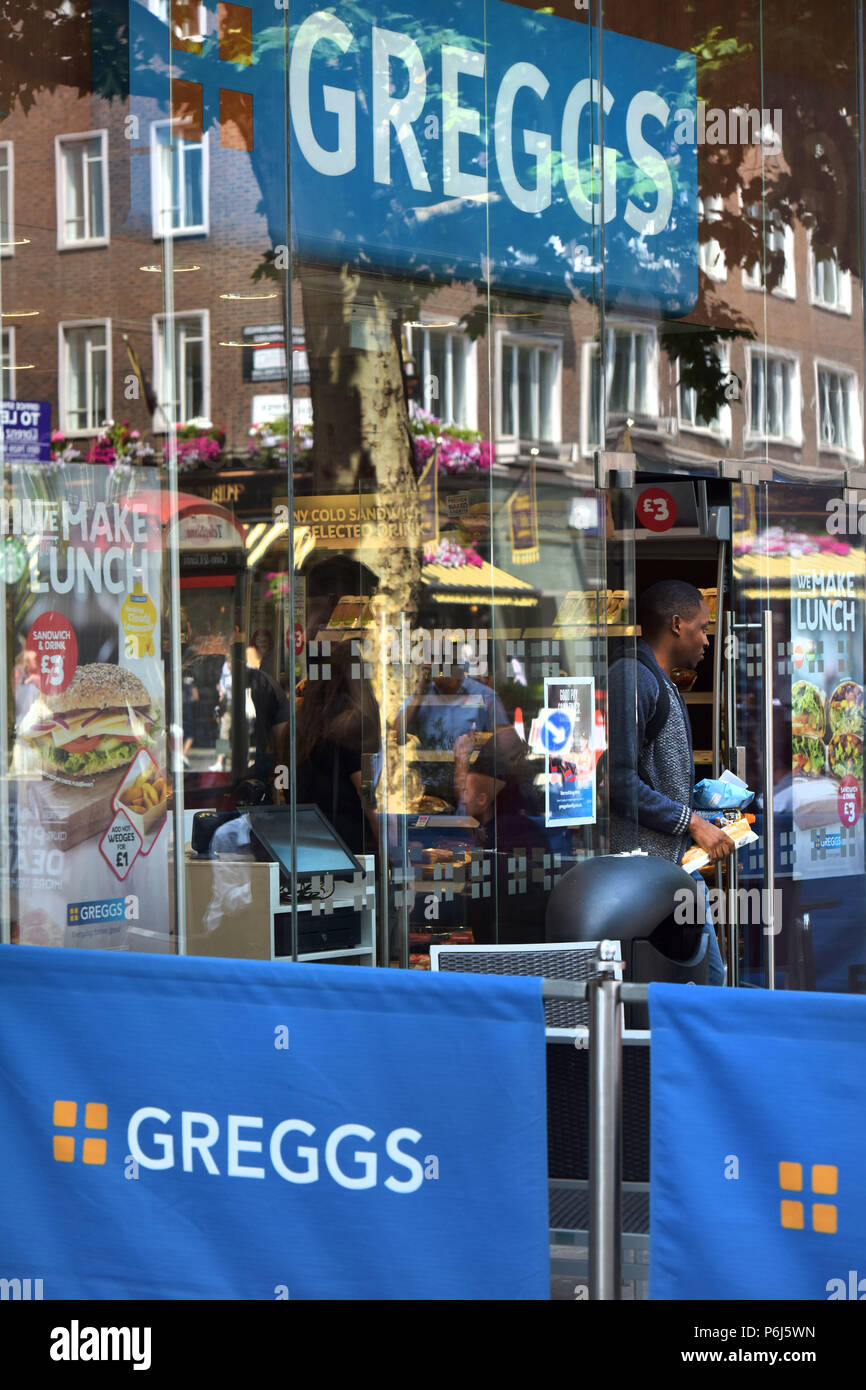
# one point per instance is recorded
(567, 737)
(827, 727)
(89, 788)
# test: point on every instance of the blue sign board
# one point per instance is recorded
(181, 1128)
(460, 141)
(758, 1144)
(26, 428)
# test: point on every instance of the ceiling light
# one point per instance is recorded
(19, 313)
(272, 295)
(157, 269)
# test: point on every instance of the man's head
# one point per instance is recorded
(500, 778)
(674, 618)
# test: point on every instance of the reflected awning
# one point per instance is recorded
(484, 583)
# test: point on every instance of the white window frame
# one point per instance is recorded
(62, 329)
(723, 429)
(759, 436)
(843, 306)
(470, 367)
(544, 342)
(856, 450)
(753, 279)
(592, 348)
(61, 143)
(161, 423)
(711, 209)
(198, 229)
(7, 341)
(8, 248)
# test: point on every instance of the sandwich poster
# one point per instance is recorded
(89, 792)
(827, 718)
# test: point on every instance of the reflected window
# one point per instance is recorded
(7, 364)
(82, 189)
(630, 385)
(691, 418)
(774, 397)
(838, 411)
(445, 363)
(85, 376)
(179, 180)
(777, 237)
(529, 397)
(830, 286)
(7, 217)
(711, 258)
(182, 368)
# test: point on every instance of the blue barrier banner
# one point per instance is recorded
(191, 1129)
(455, 140)
(758, 1144)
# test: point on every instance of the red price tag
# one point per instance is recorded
(300, 640)
(52, 638)
(848, 801)
(656, 509)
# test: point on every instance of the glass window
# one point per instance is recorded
(777, 237)
(7, 364)
(7, 217)
(830, 285)
(85, 367)
(838, 411)
(179, 173)
(445, 363)
(774, 403)
(182, 384)
(691, 418)
(82, 189)
(529, 397)
(711, 258)
(631, 381)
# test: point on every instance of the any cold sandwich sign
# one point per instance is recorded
(459, 140)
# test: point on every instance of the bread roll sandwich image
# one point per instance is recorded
(846, 709)
(808, 709)
(97, 724)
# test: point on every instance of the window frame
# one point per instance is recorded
(8, 249)
(161, 424)
(549, 342)
(470, 361)
(705, 214)
(61, 143)
(725, 429)
(843, 308)
(202, 229)
(752, 436)
(787, 288)
(839, 369)
(62, 328)
(591, 347)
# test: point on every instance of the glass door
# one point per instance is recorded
(795, 662)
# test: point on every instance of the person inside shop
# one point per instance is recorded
(337, 725)
(500, 793)
(445, 712)
(651, 758)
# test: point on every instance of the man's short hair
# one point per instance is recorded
(658, 604)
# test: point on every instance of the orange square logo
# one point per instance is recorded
(792, 1215)
(96, 1115)
(65, 1112)
(824, 1218)
(64, 1148)
(93, 1151)
(825, 1178)
(791, 1177)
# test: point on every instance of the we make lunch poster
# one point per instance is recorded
(89, 790)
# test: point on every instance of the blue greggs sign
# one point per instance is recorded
(464, 142)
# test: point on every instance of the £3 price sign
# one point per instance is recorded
(52, 638)
(656, 509)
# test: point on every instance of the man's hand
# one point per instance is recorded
(711, 838)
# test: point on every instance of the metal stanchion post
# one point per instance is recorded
(605, 1129)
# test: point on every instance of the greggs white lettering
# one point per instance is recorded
(152, 1144)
